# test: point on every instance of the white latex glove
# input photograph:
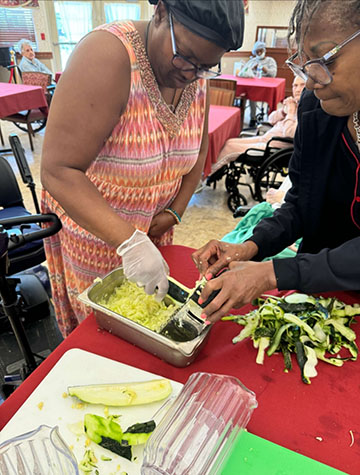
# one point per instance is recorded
(144, 264)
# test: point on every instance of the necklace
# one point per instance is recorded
(171, 106)
(357, 128)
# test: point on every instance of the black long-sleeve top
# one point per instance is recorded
(322, 207)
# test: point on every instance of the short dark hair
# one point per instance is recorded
(342, 13)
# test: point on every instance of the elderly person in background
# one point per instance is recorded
(28, 61)
(284, 121)
(323, 204)
(121, 172)
(259, 65)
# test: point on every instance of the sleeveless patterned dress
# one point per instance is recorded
(138, 172)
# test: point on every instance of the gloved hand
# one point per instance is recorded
(143, 264)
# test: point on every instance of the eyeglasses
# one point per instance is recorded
(316, 69)
(184, 64)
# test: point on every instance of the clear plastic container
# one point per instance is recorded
(39, 452)
(198, 430)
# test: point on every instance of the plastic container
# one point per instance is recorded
(41, 452)
(197, 432)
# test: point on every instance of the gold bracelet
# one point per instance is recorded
(174, 214)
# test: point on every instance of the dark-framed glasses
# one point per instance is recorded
(183, 64)
(316, 69)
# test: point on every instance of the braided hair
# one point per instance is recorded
(340, 13)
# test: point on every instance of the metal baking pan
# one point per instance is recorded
(177, 353)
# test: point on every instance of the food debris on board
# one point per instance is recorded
(315, 328)
(98, 432)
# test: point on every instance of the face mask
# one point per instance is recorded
(261, 56)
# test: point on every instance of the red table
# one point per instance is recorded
(314, 420)
(224, 123)
(270, 90)
(57, 76)
(18, 97)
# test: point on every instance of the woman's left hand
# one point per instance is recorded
(160, 223)
(240, 285)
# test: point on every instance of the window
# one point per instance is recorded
(122, 11)
(15, 24)
(73, 21)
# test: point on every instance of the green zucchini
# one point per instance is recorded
(123, 394)
(108, 434)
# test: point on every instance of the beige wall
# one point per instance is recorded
(261, 12)
(266, 13)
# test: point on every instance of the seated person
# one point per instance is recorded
(28, 61)
(284, 121)
(259, 65)
(245, 226)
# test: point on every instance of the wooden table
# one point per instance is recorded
(224, 123)
(314, 420)
(270, 90)
(18, 97)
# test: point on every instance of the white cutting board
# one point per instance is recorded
(77, 367)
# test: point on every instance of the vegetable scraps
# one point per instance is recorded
(315, 328)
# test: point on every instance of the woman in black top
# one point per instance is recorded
(323, 205)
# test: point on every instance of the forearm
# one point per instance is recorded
(188, 186)
(85, 205)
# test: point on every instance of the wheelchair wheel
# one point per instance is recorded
(233, 175)
(235, 200)
(272, 172)
(36, 126)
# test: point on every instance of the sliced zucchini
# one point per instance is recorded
(296, 298)
(123, 394)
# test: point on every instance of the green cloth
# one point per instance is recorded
(244, 229)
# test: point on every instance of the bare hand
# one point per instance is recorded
(217, 255)
(290, 105)
(160, 223)
(239, 286)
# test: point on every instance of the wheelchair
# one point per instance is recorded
(265, 168)
(24, 295)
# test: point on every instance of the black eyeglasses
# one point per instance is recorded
(184, 64)
(316, 69)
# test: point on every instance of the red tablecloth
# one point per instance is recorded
(224, 123)
(57, 76)
(270, 90)
(18, 97)
(314, 420)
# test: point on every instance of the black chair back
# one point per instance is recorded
(10, 194)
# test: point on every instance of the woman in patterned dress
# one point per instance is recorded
(125, 144)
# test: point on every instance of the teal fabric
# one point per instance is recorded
(244, 228)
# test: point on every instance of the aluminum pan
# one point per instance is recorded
(176, 353)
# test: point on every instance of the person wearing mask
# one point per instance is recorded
(28, 61)
(125, 144)
(323, 204)
(259, 65)
(283, 121)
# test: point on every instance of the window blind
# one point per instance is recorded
(15, 24)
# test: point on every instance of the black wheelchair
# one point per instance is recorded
(265, 169)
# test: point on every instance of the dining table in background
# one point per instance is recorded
(19, 97)
(270, 90)
(224, 123)
(57, 76)
(320, 420)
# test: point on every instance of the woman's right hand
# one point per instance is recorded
(144, 264)
(216, 255)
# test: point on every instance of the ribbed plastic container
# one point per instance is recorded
(197, 433)
(39, 452)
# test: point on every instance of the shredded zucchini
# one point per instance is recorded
(131, 301)
(315, 328)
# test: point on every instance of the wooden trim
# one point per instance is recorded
(38, 54)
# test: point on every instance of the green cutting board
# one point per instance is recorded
(253, 455)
